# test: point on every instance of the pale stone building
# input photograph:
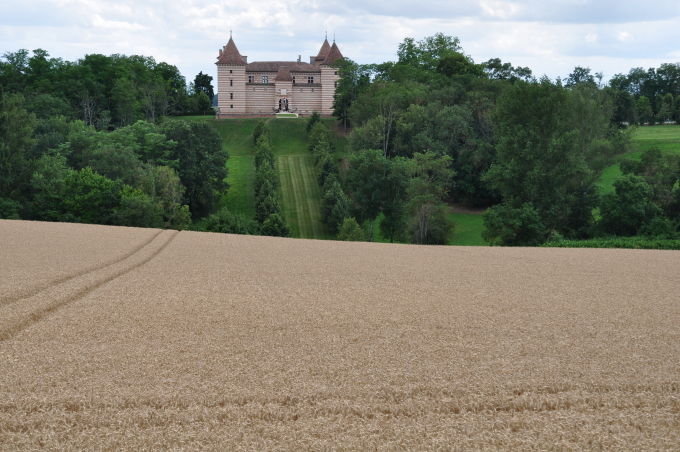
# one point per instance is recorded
(264, 88)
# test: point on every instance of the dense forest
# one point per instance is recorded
(435, 128)
(93, 141)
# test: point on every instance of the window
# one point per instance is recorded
(335, 73)
(310, 79)
(231, 95)
(231, 82)
(335, 84)
(265, 79)
(293, 80)
(231, 72)
(231, 106)
(251, 78)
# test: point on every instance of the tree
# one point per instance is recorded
(202, 164)
(367, 181)
(275, 226)
(580, 76)
(350, 231)
(542, 154)
(203, 84)
(514, 226)
(354, 79)
(16, 141)
(334, 206)
(432, 178)
(312, 121)
(228, 222)
(629, 208)
(666, 112)
(202, 102)
(644, 110)
(267, 205)
(137, 209)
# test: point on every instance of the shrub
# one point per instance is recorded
(514, 226)
(230, 223)
(350, 231)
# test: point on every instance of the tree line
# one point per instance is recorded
(146, 174)
(435, 128)
(103, 91)
(268, 219)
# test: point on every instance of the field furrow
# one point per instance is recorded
(29, 310)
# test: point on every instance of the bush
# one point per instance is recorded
(275, 226)
(626, 211)
(514, 226)
(312, 121)
(350, 231)
(229, 223)
(9, 209)
(260, 129)
(618, 242)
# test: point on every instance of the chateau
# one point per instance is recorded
(264, 88)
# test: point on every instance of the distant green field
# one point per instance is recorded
(300, 193)
(664, 138)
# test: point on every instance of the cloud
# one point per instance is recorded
(550, 37)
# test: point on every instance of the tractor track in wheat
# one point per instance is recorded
(49, 299)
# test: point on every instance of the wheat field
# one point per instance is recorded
(121, 338)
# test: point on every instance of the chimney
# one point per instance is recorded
(245, 59)
(299, 59)
(221, 50)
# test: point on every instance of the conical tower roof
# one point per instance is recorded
(230, 54)
(333, 55)
(323, 52)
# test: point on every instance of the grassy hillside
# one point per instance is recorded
(300, 193)
(665, 138)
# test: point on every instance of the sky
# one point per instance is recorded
(548, 36)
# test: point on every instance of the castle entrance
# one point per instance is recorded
(283, 104)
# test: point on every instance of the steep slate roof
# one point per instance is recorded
(284, 74)
(230, 54)
(333, 55)
(323, 52)
(273, 66)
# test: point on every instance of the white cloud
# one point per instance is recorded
(550, 37)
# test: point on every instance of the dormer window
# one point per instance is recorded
(265, 79)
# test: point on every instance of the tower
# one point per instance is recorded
(329, 78)
(231, 81)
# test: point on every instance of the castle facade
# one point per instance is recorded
(264, 88)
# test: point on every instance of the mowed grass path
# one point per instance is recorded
(300, 193)
(664, 138)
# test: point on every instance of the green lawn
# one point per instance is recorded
(300, 193)
(664, 138)
(467, 230)
(238, 141)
